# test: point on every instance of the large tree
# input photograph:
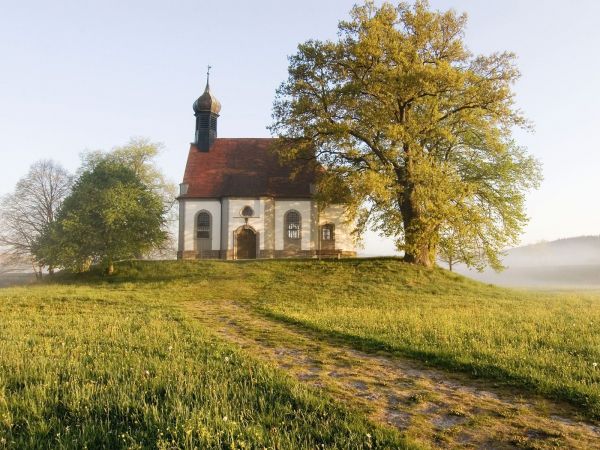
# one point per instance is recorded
(30, 209)
(111, 214)
(413, 128)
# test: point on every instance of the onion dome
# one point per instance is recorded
(207, 102)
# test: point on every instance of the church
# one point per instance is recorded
(237, 201)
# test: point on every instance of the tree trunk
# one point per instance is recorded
(419, 247)
(35, 271)
(110, 268)
(421, 255)
(419, 243)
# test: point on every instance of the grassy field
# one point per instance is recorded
(97, 365)
(546, 342)
(118, 362)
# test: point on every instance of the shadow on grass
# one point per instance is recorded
(589, 406)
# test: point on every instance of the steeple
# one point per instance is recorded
(206, 110)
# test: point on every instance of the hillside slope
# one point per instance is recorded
(575, 251)
(572, 262)
(544, 342)
(262, 353)
(86, 363)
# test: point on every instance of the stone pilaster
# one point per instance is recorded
(269, 221)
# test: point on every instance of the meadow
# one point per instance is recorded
(97, 365)
(545, 342)
(119, 362)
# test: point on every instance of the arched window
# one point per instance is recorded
(203, 225)
(328, 232)
(292, 225)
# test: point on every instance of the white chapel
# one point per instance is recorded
(237, 201)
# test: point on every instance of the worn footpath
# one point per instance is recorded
(433, 407)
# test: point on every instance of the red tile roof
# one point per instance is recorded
(243, 167)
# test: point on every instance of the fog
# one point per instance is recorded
(572, 263)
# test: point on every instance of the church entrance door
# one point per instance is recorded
(246, 244)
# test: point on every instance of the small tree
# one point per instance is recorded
(139, 154)
(111, 214)
(448, 252)
(416, 129)
(468, 245)
(30, 209)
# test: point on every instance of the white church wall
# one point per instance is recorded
(181, 240)
(190, 209)
(236, 220)
(226, 219)
(335, 214)
(303, 207)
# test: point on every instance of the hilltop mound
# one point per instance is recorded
(374, 273)
(433, 315)
(534, 340)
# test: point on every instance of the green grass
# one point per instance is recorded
(93, 364)
(117, 362)
(545, 342)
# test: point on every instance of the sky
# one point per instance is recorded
(84, 75)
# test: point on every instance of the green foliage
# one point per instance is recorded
(139, 155)
(111, 214)
(118, 365)
(415, 127)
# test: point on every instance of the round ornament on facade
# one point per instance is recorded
(247, 211)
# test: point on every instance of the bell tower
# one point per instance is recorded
(206, 110)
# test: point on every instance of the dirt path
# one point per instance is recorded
(430, 406)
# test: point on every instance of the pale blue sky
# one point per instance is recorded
(78, 75)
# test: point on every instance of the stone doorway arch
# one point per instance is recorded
(245, 243)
